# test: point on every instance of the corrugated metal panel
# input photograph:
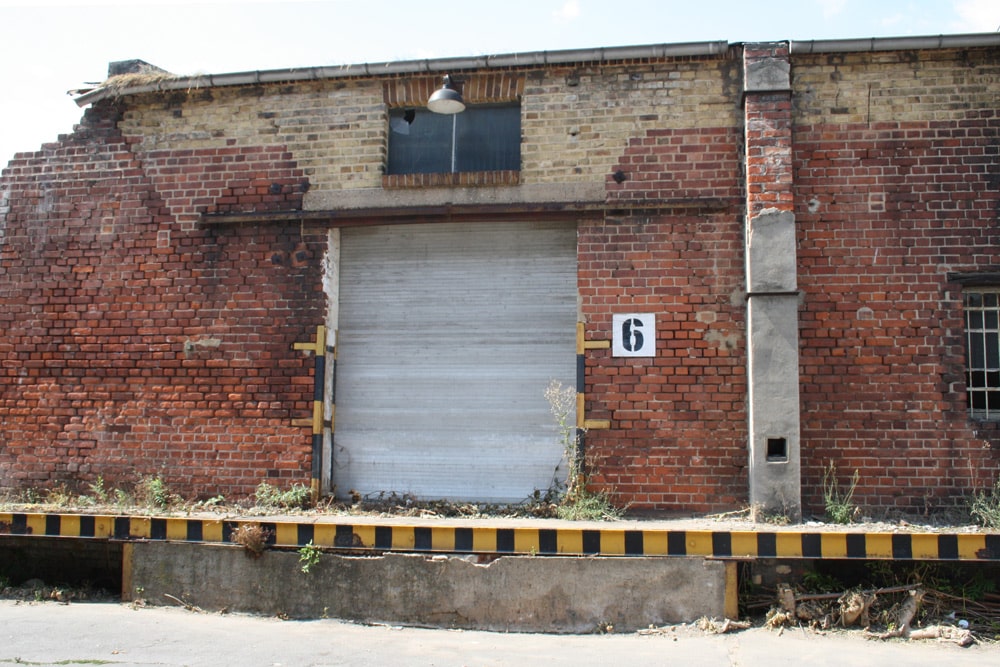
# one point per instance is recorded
(449, 335)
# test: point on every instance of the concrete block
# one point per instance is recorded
(767, 75)
(773, 373)
(518, 593)
(771, 265)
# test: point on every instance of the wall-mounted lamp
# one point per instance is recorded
(446, 99)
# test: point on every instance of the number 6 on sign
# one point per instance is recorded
(634, 335)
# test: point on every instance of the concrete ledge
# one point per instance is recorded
(515, 593)
(373, 198)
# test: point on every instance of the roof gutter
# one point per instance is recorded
(895, 43)
(529, 59)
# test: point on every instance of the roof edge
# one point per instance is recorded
(439, 65)
(969, 40)
(532, 58)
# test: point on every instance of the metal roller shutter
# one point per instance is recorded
(449, 335)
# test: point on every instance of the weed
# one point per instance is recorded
(818, 582)
(253, 537)
(153, 492)
(97, 490)
(122, 498)
(773, 517)
(59, 496)
(576, 502)
(839, 504)
(984, 506)
(309, 557)
(208, 503)
(589, 505)
(268, 495)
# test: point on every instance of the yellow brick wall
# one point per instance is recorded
(576, 132)
(334, 130)
(575, 121)
(893, 86)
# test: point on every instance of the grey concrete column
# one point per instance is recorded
(773, 364)
(772, 289)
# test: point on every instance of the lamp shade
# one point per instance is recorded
(446, 99)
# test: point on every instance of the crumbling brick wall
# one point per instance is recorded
(137, 343)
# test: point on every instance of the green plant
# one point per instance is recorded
(576, 502)
(153, 492)
(562, 404)
(97, 490)
(122, 498)
(268, 495)
(251, 536)
(309, 557)
(819, 582)
(587, 505)
(59, 496)
(984, 506)
(839, 503)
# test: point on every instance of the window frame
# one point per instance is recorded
(452, 153)
(981, 331)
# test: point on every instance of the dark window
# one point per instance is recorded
(484, 138)
(982, 352)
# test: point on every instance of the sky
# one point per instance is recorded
(48, 47)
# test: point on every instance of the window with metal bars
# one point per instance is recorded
(982, 352)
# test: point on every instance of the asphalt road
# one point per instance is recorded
(51, 633)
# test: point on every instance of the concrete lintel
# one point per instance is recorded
(524, 594)
(373, 198)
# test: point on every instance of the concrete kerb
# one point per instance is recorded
(509, 593)
(495, 574)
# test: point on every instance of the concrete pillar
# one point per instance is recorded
(772, 289)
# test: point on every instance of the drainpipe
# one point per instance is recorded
(771, 286)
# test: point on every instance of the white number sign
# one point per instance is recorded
(634, 335)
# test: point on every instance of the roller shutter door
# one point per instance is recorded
(449, 335)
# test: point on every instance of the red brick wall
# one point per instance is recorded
(767, 135)
(678, 436)
(884, 212)
(139, 343)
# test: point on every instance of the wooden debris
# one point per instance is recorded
(904, 615)
(186, 605)
(959, 636)
(714, 627)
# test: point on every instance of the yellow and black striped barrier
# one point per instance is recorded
(318, 348)
(560, 541)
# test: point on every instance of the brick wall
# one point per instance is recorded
(137, 343)
(678, 436)
(577, 121)
(896, 185)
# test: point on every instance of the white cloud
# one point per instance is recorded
(569, 11)
(977, 16)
